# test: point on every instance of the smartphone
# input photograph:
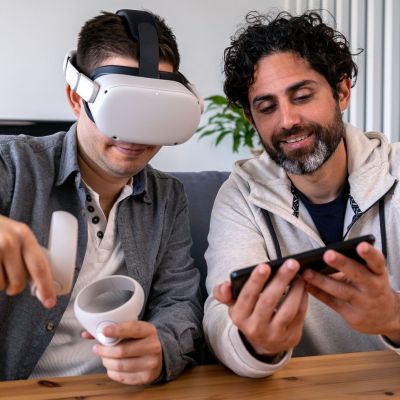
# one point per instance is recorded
(309, 259)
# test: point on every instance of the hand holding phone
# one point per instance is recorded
(312, 259)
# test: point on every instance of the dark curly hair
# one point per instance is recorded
(326, 49)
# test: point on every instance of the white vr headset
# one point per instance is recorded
(138, 105)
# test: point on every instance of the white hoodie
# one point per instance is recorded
(239, 237)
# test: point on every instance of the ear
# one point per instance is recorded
(74, 100)
(344, 89)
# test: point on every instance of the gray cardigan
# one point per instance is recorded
(41, 175)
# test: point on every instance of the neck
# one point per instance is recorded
(107, 187)
(325, 184)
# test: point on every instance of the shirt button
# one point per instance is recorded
(95, 220)
(100, 234)
(90, 208)
(88, 197)
(50, 326)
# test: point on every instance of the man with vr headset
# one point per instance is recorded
(126, 92)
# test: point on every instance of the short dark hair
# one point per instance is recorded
(326, 49)
(106, 35)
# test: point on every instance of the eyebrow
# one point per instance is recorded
(291, 89)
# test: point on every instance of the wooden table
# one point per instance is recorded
(373, 375)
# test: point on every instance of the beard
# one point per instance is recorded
(307, 160)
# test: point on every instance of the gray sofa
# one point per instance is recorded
(201, 189)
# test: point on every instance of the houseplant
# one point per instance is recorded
(228, 120)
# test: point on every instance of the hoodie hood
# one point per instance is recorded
(368, 169)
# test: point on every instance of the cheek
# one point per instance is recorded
(266, 127)
(96, 145)
(99, 139)
(152, 152)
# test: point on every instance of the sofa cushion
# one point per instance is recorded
(201, 189)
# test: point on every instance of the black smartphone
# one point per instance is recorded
(309, 259)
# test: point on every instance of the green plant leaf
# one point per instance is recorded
(238, 111)
(227, 120)
(248, 140)
(207, 133)
(217, 99)
(223, 117)
(236, 140)
(221, 136)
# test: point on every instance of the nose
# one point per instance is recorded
(289, 115)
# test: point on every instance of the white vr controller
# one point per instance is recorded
(94, 322)
(61, 252)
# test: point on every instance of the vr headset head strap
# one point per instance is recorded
(141, 26)
(132, 71)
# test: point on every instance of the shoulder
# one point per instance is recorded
(160, 180)
(238, 183)
(163, 188)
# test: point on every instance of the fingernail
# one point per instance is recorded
(49, 303)
(262, 269)
(290, 265)
(95, 348)
(330, 256)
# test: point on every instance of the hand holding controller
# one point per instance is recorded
(95, 321)
(61, 251)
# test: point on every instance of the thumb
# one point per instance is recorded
(223, 293)
(86, 335)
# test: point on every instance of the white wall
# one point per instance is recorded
(35, 35)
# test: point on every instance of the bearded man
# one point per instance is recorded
(319, 181)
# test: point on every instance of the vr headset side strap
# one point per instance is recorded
(142, 28)
(80, 83)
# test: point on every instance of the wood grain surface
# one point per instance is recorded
(372, 375)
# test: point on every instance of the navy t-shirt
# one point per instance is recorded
(329, 217)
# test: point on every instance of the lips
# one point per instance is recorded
(295, 139)
(133, 150)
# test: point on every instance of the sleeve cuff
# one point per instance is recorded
(265, 359)
(387, 342)
(257, 367)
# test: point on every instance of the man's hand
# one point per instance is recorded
(22, 259)
(360, 294)
(271, 320)
(138, 359)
